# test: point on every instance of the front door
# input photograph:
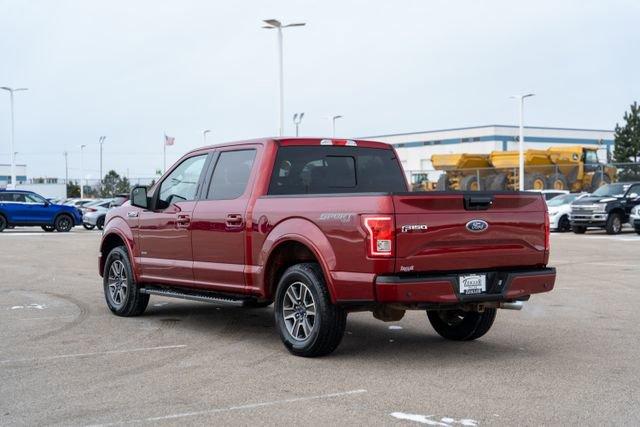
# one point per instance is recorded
(220, 226)
(164, 231)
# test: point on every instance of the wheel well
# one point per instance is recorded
(282, 257)
(619, 212)
(62, 214)
(111, 241)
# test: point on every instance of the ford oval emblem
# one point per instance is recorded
(477, 225)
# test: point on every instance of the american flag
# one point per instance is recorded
(169, 140)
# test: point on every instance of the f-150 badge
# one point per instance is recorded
(414, 228)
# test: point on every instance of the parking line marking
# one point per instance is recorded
(98, 353)
(232, 408)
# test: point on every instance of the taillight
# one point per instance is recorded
(547, 232)
(381, 235)
(91, 210)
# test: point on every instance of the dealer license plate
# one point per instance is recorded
(472, 284)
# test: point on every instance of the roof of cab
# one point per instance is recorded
(290, 141)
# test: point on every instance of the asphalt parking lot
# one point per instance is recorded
(569, 357)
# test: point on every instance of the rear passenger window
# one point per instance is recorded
(6, 197)
(333, 169)
(231, 174)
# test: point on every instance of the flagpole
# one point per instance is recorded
(164, 155)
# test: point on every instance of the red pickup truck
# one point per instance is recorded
(321, 228)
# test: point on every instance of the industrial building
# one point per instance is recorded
(5, 174)
(415, 148)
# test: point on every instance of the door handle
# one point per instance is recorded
(183, 221)
(234, 220)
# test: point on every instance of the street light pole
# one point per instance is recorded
(333, 120)
(521, 139)
(204, 135)
(82, 170)
(101, 140)
(12, 144)
(275, 24)
(66, 174)
(297, 119)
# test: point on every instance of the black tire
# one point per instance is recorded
(63, 223)
(564, 224)
(443, 183)
(579, 229)
(459, 325)
(614, 223)
(48, 228)
(132, 302)
(329, 321)
(499, 182)
(89, 226)
(535, 181)
(557, 181)
(100, 223)
(3, 223)
(599, 179)
(638, 230)
(469, 183)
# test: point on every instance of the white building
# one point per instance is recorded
(5, 174)
(415, 148)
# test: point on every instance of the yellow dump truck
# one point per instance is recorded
(574, 168)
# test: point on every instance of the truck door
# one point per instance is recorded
(219, 221)
(164, 232)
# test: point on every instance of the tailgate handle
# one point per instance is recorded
(477, 203)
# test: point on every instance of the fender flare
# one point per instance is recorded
(307, 233)
(125, 234)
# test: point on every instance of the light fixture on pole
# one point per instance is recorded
(82, 170)
(333, 123)
(297, 119)
(12, 141)
(204, 135)
(521, 139)
(275, 24)
(101, 141)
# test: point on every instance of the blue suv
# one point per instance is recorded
(19, 207)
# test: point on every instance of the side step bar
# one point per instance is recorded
(198, 296)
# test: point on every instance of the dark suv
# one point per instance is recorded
(609, 207)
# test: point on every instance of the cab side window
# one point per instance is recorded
(182, 183)
(231, 174)
(591, 157)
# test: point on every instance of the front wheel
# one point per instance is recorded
(100, 223)
(614, 224)
(88, 226)
(63, 223)
(120, 288)
(308, 323)
(579, 229)
(460, 325)
(564, 224)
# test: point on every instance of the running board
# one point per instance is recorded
(197, 296)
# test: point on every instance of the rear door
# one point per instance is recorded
(219, 220)
(443, 232)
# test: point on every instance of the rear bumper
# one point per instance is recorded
(444, 289)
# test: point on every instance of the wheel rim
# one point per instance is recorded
(617, 225)
(117, 282)
(538, 184)
(299, 311)
(558, 185)
(64, 223)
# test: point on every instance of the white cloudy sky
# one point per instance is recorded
(132, 70)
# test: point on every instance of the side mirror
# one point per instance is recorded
(139, 197)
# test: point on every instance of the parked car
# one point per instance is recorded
(322, 228)
(119, 200)
(78, 203)
(26, 208)
(560, 209)
(634, 218)
(550, 194)
(93, 214)
(609, 207)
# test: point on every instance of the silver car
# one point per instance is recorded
(94, 214)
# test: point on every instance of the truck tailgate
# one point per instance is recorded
(469, 231)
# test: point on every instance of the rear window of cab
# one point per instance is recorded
(334, 170)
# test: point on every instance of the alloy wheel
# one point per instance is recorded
(299, 311)
(118, 285)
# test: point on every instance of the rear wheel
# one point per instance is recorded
(614, 223)
(535, 181)
(89, 226)
(48, 228)
(499, 182)
(308, 323)
(443, 183)
(120, 289)
(460, 325)
(63, 223)
(3, 223)
(599, 179)
(469, 183)
(557, 181)
(579, 229)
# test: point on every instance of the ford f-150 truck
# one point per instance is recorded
(321, 228)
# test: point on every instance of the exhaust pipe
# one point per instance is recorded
(516, 305)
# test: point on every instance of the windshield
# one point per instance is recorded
(614, 190)
(562, 200)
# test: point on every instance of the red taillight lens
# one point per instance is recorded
(91, 210)
(547, 232)
(381, 235)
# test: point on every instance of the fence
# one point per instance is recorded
(583, 177)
